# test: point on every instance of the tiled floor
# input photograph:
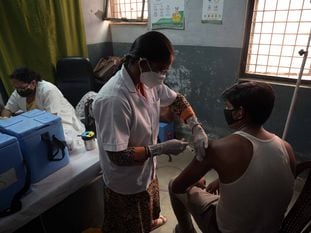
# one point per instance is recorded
(167, 170)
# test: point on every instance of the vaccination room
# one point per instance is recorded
(138, 116)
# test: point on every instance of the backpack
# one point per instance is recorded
(107, 67)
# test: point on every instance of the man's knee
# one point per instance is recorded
(181, 197)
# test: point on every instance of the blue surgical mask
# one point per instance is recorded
(151, 78)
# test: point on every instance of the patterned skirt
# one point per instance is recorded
(131, 213)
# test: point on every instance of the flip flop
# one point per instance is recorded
(158, 222)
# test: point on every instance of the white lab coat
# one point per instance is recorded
(49, 98)
(125, 118)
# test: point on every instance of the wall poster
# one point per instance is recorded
(167, 14)
(212, 11)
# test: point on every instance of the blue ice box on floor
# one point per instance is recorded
(166, 131)
(39, 134)
(12, 171)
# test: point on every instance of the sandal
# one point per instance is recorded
(156, 223)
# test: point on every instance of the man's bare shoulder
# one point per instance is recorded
(228, 149)
(230, 156)
(229, 142)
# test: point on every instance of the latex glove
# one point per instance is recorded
(200, 141)
(172, 146)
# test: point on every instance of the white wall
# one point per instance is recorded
(96, 30)
(228, 34)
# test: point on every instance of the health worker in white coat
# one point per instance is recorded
(127, 110)
(31, 92)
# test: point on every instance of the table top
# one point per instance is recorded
(82, 168)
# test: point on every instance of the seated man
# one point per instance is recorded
(255, 172)
(31, 92)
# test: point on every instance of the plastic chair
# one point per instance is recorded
(299, 216)
(74, 77)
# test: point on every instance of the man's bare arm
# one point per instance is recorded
(194, 171)
(291, 155)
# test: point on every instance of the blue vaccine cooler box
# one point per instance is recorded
(42, 141)
(166, 131)
(12, 170)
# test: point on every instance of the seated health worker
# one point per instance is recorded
(127, 111)
(31, 92)
(255, 172)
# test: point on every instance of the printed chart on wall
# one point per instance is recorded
(212, 11)
(167, 14)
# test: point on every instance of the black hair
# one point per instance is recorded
(256, 98)
(154, 46)
(25, 75)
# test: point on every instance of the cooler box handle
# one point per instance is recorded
(54, 146)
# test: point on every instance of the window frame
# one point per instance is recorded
(247, 76)
(107, 11)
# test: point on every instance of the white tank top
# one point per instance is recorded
(256, 202)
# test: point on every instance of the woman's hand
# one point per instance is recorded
(200, 141)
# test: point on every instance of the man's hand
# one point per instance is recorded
(6, 113)
(213, 187)
(201, 183)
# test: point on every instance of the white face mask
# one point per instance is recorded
(151, 78)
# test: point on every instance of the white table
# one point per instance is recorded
(82, 168)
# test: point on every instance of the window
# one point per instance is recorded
(276, 31)
(127, 10)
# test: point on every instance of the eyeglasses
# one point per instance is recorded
(159, 68)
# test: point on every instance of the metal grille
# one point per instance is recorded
(128, 10)
(279, 30)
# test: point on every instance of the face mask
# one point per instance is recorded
(150, 78)
(25, 92)
(228, 116)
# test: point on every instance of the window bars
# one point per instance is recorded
(128, 10)
(279, 30)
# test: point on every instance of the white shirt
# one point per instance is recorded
(257, 201)
(124, 118)
(49, 98)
